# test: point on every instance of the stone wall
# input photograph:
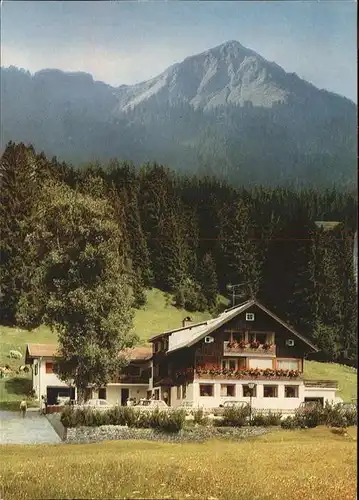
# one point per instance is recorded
(54, 419)
(197, 434)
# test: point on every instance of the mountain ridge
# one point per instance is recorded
(226, 111)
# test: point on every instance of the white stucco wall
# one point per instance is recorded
(328, 394)
(177, 401)
(43, 380)
(113, 392)
(258, 402)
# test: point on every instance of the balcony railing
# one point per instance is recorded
(133, 379)
(322, 384)
(247, 348)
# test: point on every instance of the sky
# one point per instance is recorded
(128, 42)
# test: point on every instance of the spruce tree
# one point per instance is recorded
(207, 278)
(237, 258)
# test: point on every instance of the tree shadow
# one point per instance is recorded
(18, 385)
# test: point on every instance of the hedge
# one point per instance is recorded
(332, 415)
(168, 421)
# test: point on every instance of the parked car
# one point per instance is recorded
(63, 400)
(189, 407)
(348, 406)
(308, 405)
(151, 404)
(97, 404)
(186, 405)
(231, 404)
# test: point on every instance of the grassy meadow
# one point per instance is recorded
(312, 464)
(156, 316)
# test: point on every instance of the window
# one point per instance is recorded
(238, 337)
(135, 371)
(36, 368)
(242, 363)
(247, 391)
(184, 391)
(232, 364)
(251, 337)
(262, 363)
(206, 390)
(102, 393)
(229, 364)
(179, 392)
(249, 317)
(228, 390)
(288, 364)
(291, 391)
(157, 346)
(49, 367)
(227, 336)
(270, 391)
(261, 337)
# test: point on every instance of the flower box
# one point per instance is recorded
(249, 348)
(247, 374)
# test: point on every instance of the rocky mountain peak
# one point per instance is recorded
(227, 74)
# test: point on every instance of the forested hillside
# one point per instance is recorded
(192, 237)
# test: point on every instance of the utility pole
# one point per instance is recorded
(233, 288)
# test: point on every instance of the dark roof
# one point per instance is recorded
(200, 330)
(140, 353)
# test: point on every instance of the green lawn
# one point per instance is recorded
(345, 375)
(157, 316)
(312, 464)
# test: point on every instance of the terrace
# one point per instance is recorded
(322, 384)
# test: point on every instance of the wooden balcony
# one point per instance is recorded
(132, 379)
(238, 349)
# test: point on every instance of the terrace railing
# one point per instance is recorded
(322, 384)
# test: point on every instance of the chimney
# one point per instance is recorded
(187, 321)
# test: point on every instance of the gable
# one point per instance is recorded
(231, 316)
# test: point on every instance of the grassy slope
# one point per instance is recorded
(345, 375)
(312, 464)
(157, 316)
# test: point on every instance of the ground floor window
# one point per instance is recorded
(178, 392)
(206, 390)
(102, 393)
(270, 391)
(184, 391)
(247, 391)
(291, 391)
(228, 390)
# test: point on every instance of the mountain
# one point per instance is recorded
(225, 112)
(226, 75)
